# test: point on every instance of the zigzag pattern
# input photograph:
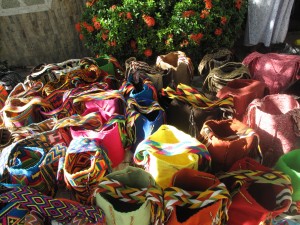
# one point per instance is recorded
(61, 210)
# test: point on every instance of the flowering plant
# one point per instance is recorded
(148, 28)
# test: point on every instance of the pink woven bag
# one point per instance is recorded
(277, 71)
(276, 119)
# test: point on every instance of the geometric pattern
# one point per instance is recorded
(19, 201)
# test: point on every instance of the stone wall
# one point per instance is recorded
(40, 31)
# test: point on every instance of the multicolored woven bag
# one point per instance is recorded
(130, 196)
(189, 109)
(85, 164)
(168, 150)
(228, 141)
(19, 112)
(24, 205)
(202, 200)
(93, 125)
(259, 194)
(136, 70)
(143, 118)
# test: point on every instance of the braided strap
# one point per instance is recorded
(126, 194)
(20, 201)
(174, 196)
(136, 108)
(260, 177)
(191, 96)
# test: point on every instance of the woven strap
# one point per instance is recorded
(61, 210)
(260, 177)
(174, 196)
(191, 96)
(215, 55)
(220, 76)
(85, 164)
(135, 108)
(141, 155)
(24, 168)
(127, 194)
(104, 95)
(128, 87)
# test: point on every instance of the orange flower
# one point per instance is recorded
(88, 4)
(81, 36)
(133, 44)
(90, 28)
(204, 14)
(148, 52)
(196, 37)
(238, 4)
(170, 36)
(184, 43)
(150, 21)
(218, 31)
(121, 14)
(104, 36)
(78, 27)
(128, 15)
(223, 20)
(208, 4)
(113, 7)
(94, 19)
(112, 43)
(188, 13)
(97, 25)
(85, 24)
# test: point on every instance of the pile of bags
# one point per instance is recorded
(143, 145)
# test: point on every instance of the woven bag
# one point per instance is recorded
(168, 150)
(259, 194)
(188, 108)
(212, 60)
(94, 125)
(220, 76)
(229, 141)
(85, 164)
(130, 196)
(275, 118)
(202, 200)
(136, 70)
(143, 118)
(243, 91)
(277, 71)
(181, 66)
